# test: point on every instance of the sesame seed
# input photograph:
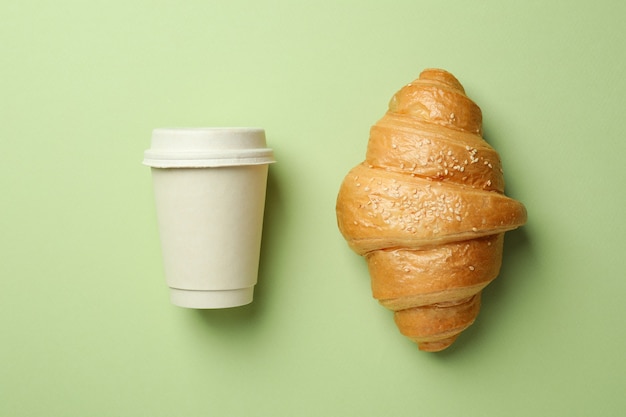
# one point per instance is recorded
(471, 268)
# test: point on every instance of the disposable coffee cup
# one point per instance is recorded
(209, 188)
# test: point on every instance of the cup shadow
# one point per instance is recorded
(247, 315)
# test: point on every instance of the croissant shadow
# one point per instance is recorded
(496, 295)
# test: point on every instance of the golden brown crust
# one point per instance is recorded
(438, 101)
(435, 327)
(413, 147)
(380, 209)
(404, 278)
(427, 209)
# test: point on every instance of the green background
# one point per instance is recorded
(86, 324)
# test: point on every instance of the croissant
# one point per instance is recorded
(427, 210)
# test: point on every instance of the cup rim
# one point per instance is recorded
(206, 129)
(206, 159)
(183, 147)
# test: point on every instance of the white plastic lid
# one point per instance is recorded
(207, 147)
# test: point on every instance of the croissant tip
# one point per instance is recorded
(436, 346)
(442, 76)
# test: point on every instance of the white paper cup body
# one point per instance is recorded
(211, 217)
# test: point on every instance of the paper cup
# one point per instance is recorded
(209, 186)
